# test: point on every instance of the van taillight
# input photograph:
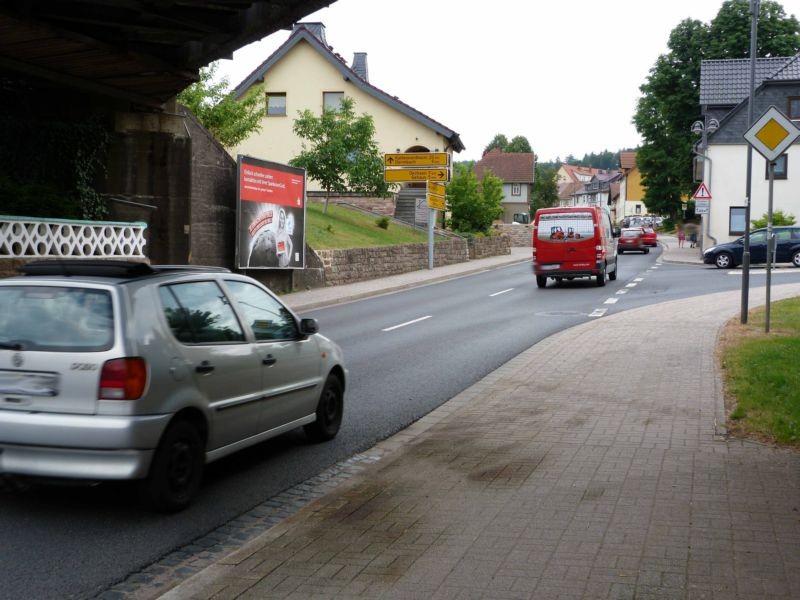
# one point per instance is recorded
(601, 251)
(122, 379)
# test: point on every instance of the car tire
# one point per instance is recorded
(176, 470)
(647, 250)
(330, 409)
(796, 259)
(541, 281)
(600, 278)
(620, 252)
(724, 260)
(612, 275)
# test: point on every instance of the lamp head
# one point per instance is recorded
(697, 127)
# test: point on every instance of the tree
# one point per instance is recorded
(545, 188)
(778, 218)
(229, 120)
(670, 100)
(499, 141)
(519, 143)
(473, 206)
(339, 151)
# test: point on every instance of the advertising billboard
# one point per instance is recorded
(271, 215)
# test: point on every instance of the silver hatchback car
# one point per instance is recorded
(115, 370)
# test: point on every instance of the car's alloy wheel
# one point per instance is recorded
(796, 259)
(724, 260)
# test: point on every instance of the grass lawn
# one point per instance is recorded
(761, 375)
(347, 228)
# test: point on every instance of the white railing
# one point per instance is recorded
(27, 236)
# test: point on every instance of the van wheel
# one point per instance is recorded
(329, 412)
(601, 278)
(176, 470)
(541, 281)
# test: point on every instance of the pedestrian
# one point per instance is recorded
(693, 239)
(681, 237)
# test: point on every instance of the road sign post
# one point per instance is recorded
(771, 135)
(433, 168)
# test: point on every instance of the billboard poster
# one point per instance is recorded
(270, 232)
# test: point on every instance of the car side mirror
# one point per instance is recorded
(308, 326)
(616, 232)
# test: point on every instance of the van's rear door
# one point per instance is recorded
(566, 238)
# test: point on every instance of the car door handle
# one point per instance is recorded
(204, 367)
(269, 360)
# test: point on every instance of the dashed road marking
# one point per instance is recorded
(620, 292)
(630, 285)
(611, 301)
(407, 323)
(638, 279)
(598, 312)
(503, 292)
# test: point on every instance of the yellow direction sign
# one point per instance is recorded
(412, 175)
(436, 188)
(435, 201)
(417, 159)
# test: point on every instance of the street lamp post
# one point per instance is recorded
(703, 128)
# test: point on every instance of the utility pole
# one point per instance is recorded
(754, 9)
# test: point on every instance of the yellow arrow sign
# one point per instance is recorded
(417, 159)
(412, 175)
(436, 202)
(436, 188)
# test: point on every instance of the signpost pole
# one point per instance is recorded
(770, 244)
(754, 9)
(431, 219)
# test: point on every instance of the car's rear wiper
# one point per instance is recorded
(11, 346)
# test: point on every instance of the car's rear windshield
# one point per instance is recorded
(566, 226)
(55, 319)
(630, 233)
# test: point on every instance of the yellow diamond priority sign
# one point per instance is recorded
(772, 134)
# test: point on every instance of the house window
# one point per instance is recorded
(515, 189)
(794, 108)
(332, 100)
(276, 104)
(736, 220)
(638, 209)
(781, 168)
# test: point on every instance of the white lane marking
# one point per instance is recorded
(611, 301)
(620, 292)
(407, 323)
(598, 312)
(503, 292)
(631, 285)
(764, 272)
(638, 279)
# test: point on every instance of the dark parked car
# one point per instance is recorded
(632, 239)
(729, 255)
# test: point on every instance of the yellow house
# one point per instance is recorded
(305, 73)
(631, 191)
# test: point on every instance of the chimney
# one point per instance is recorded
(316, 29)
(360, 65)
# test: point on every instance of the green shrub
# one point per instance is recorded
(382, 222)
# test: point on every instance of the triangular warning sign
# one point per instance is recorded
(702, 193)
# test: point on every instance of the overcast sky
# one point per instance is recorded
(565, 75)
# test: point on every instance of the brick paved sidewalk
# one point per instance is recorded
(587, 467)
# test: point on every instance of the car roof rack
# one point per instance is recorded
(106, 268)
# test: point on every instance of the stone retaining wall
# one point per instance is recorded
(379, 206)
(360, 264)
(520, 234)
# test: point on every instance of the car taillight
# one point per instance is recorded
(122, 379)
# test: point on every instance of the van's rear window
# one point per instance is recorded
(56, 319)
(568, 226)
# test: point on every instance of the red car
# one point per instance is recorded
(632, 238)
(650, 236)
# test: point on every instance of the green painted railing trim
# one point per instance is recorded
(75, 222)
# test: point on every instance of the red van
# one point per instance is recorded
(575, 241)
